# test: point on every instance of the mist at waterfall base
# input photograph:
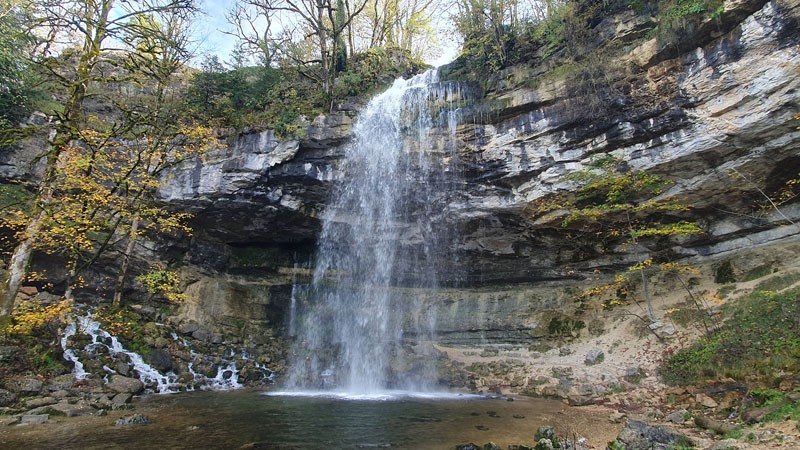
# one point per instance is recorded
(363, 328)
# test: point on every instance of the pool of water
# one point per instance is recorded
(250, 419)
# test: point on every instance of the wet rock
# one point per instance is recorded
(595, 356)
(122, 368)
(136, 419)
(25, 386)
(119, 383)
(638, 435)
(33, 419)
(7, 398)
(469, 446)
(161, 360)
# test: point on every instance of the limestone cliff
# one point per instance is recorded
(705, 118)
(698, 112)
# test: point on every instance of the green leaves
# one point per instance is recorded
(625, 201)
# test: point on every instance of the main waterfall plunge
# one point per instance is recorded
(363, 325)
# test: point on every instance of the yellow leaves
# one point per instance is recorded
(679, 268)
(682, 228)
(118, 322)
(160, 280)
(671, 311)
(713, 298)
(641, 265)
(30, 316)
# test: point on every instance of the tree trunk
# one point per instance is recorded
(123, 270)
(72, 272)
(647, 299)
(17, 267)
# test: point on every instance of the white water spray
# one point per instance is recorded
(384, 229)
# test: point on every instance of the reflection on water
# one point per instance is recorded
(248, 419)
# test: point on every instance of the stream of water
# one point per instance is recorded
(384, 227)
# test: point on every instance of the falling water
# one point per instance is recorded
(364, 325)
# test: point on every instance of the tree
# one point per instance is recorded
(97, 26)
(485, 26)
(404, 24)
(15, 44)
(615, 202)
(320, 20)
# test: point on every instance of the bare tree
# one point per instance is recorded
(315, 19)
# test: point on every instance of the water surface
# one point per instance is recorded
(250, 419)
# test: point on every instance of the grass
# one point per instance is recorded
(760, 340)
(778, 282)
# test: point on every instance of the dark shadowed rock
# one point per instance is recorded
(638, 435)
(7, 398)
(161, 360)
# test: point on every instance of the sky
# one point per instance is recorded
(212, 40)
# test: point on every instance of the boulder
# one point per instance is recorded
(161, 360)
(595, 356)
(136, 419)
(25, 386)
(121, 400)
(40, 401)
(638, 435)
(7, 421)
(7, 398)
(678, 416)
(61, 383)
(33, 419)
(72, 410)
(119, 383)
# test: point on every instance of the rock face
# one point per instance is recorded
(716, 119)
(708, 119)
(714, 115)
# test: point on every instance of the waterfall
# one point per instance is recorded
(366, 325)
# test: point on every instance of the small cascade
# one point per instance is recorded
(226, 376)
(152, 378)
(77, 370)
